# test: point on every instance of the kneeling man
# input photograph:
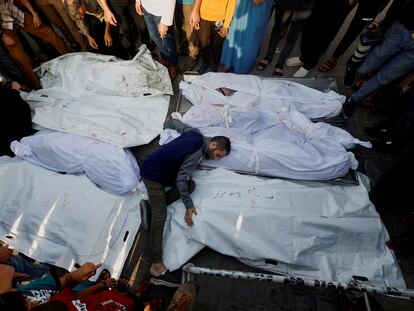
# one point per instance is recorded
(172, 165)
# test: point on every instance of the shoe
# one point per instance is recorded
(376, 132)
(349, 79)
(169, 279)
(372, 171)
(348, 108)
(383, 146)
(145, 211)
(294, 61)
(301, 73)
(184, 297)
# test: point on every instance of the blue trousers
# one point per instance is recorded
(166, 45)
(396, 56)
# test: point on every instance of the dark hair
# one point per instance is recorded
(223, 143)
(12, 301)
(53, 305)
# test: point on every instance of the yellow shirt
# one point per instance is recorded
(216, 10)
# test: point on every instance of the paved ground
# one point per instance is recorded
(227, 294)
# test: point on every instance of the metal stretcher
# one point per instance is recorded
(321, 84)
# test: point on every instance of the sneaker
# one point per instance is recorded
(294, 61)
(169, 279)
(349, 79)
(301, 73)
(348, 108)
(145, 211)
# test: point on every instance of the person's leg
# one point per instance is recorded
(22, 265)
(297, 22)
(52, 14)
(166, 45)
(21, 59)
(173, 194)
(127, 27)
(401, 64)
(44, 32)
(70, 24)
(216, 45)
(394, 38)
(139, 22)
(191, 36)
(204, 35)
(8, 66)
(281, 17)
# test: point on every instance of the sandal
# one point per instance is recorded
(328, 65)
(277, 72)
(262, 64)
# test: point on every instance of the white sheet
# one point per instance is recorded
(116, 101)
(312, 230)
(112, 168)
(262, 94)
(284, 144)
(65, 219)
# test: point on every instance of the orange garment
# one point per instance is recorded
(216, 10)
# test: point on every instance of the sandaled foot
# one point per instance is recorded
(263, 64)
(278, 72)
(328, 65)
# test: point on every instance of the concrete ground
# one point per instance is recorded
(227, 294)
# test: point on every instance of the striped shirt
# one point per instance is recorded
(10, 15)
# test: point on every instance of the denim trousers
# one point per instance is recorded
(396, 56)
(22, 265)
(165, 45)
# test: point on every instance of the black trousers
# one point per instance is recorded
(320, 29)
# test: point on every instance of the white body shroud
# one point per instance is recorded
(311, 230)
(259, 94)
(103, 97)
(65, 219)
(112, 168)
(285, 144)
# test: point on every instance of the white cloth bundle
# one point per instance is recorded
(110, 167)
(260, 94)
(102, 97)
(65, 219)
(311, 230)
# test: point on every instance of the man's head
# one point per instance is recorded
(218, 147)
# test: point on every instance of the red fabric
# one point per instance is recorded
(107, 300)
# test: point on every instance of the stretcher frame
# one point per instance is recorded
(321, 84)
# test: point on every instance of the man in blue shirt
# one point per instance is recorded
(172, 165)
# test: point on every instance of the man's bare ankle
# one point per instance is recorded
(157, 269)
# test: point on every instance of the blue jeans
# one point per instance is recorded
(396, 52)
(166, 45)
(22, 265)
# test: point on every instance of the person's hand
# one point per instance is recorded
(189, 215)
(37, 22)
(92, 42)
(223, 32)
(15, 86)
(168, 118)
(108, 38)
(86, 271)
(162, 29)
(110, 17)
(138, 7)
(5, 254)
(195, 20)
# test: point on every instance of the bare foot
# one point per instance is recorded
(157, 269)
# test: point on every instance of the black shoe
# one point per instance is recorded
(349, 79)
(372, 171)
(376, 132)
(145, 211)
(383, 146)
(169, 279)
(348, 108)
